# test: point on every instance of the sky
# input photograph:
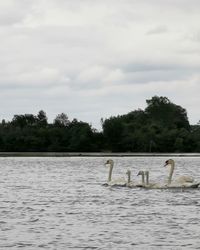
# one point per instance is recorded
(93, 59)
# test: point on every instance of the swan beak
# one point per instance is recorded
(166, 163)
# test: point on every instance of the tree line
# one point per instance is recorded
(161, 127)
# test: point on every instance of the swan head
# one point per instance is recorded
(140, 173)
(169, 162)
(109, 162)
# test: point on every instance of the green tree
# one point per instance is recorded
(24, 120)
(168, 114)
(61, 120)
(42, 118)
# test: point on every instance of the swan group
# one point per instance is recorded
(180, 182)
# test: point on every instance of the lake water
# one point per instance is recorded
(60, 203)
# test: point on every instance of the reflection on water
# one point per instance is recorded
(59, 203)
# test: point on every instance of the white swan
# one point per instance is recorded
(145, 180)
(130, 183)
(120, 182)
(142, 184)
(182, 181)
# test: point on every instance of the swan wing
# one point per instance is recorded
(185, 178)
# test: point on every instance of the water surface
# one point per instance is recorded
(60, 203)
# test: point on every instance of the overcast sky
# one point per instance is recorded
(98, 58)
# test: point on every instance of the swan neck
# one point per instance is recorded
(110, 173)
(143, 179)
(129, 177)
(171, 172)
(147, 177)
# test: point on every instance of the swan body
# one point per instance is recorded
(120, 182)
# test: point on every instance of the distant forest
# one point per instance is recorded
(161, 127)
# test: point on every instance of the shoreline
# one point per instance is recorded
(94, 154)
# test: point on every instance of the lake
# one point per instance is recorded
(60, 203)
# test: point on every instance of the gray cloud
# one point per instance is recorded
(158, 30)
(93, 59)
